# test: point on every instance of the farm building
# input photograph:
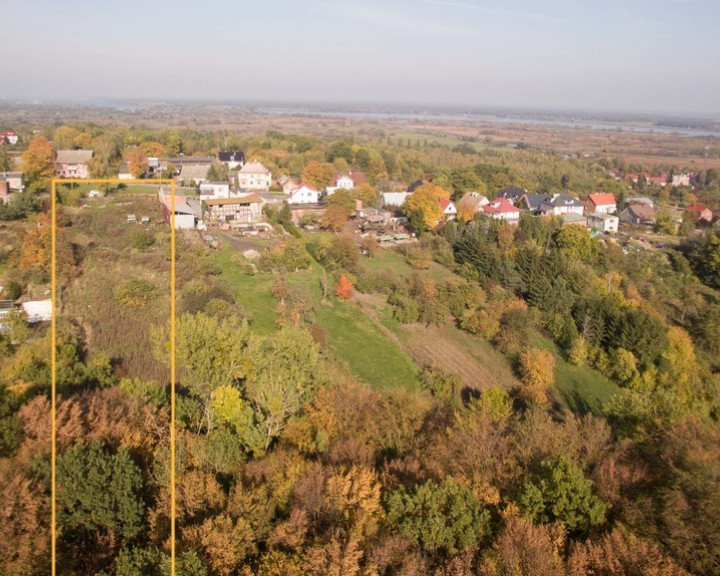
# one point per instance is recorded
(246, 209)
(187, 210)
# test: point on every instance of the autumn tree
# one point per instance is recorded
(38, 163)
(334, 217)
(344, 288)
(537, 371)
(318, 174)
(422, 207)
(282, 379)
(210, 352)
(64, 138)
(137, 162)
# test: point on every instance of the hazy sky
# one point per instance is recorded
(635, 55)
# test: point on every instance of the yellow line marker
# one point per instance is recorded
(53, 357)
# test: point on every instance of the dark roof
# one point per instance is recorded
(534, 201)
(232, 156)
(512, 193)
(416, 185)
(563, 200)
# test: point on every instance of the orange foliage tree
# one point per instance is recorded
(344, 288)
(137, 162)
(38, 163)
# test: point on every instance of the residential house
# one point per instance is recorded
(600, 203)
(304, 194)
(72, 163)
(533, 202)
(187, 211)
(638, 214)
(232, 159)
(14, 180)
(512, 193)
(703, 214)
(559, 204)
(246, 209)
(640, 200)
(680, 180)
(658, 181)
(345, 181)
(603, 222)
(448, 209)
(395, 198)
(210, 190)
(287, 184)
(502, 209)
(38, 310)
(124, 171)
(254, 176)
(474, 201)
(9, 138)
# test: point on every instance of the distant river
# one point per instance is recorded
(419, 116)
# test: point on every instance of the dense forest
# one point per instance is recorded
(310, 437)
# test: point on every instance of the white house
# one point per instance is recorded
(38, 310)
(395, 198)
(448, 208)
(232, 159)
(559, 204)
(502, 209)
(603, 222)
(210, 190)
(304, 194)
(124, 171)
(680, 180)
(9, 137)
(254, 176)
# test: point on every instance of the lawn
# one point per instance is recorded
(113, 189)
(370, 355)
(578, 388)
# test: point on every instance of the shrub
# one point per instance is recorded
(142, 240)
(136, 293)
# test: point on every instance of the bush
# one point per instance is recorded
(12, 290)
(141, 239)
(136, 293)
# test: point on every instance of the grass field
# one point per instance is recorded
(370, 354)
(115, 189)
(578, 388)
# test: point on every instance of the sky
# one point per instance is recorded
(606, 55)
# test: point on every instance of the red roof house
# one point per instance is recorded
(602, 202)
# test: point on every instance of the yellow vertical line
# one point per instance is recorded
(53, 432)
(172, 378)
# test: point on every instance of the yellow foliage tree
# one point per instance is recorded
(318, 174)
(38, 163)
(423, 206)
(537, 371)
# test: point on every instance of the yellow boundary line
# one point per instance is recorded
(53, 357)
